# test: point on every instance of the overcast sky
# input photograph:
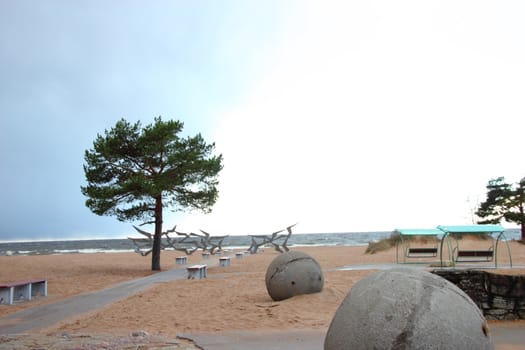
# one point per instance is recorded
(339, 116)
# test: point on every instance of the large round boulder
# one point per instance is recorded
(407, 309)
(293, 273)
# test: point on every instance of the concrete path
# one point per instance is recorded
(260, 340)
(425, 267)
(508, 335)
(46, 315)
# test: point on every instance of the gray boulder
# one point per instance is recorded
(293, 273)
(407, 309)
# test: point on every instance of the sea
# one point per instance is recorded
(88, 246)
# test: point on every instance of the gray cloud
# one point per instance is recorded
(69, 70)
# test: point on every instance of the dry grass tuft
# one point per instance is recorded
(382, 245)
(474, 237)
(390, 242)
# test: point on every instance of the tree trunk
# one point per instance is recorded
(157, 237)
(522, 219)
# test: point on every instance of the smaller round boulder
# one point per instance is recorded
(293, 273)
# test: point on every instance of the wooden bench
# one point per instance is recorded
(22, 290)
(181, 260)
(197, 271)
(426, 252)
(475, 255)
(205, 255)
(239, 255)
(224, 261)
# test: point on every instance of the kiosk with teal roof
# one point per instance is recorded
(488, 253)
(427, 245)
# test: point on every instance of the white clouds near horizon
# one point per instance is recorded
(376, 117)
(341, 116)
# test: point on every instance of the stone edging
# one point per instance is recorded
(499, 297)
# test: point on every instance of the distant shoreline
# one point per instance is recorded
(124, 245)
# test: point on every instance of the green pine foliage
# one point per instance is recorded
(133, 172)
(505, 201)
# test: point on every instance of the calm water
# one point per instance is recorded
(125, 245)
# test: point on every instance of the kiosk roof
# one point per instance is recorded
(472, 229)
(419, 231)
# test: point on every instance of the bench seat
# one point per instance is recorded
(197, 271)
(224, 261)
(422, 252)
(22, 290)
(475, 255)
(181, 260)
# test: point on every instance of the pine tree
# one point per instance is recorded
(134, 172)
(504, 202)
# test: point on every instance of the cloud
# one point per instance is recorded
(342, 116)
(372, 118)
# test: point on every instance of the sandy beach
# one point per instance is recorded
(232, 298)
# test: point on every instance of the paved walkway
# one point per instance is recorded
(260, 340)
(509, 335)
(46, 315)
(423, 266)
